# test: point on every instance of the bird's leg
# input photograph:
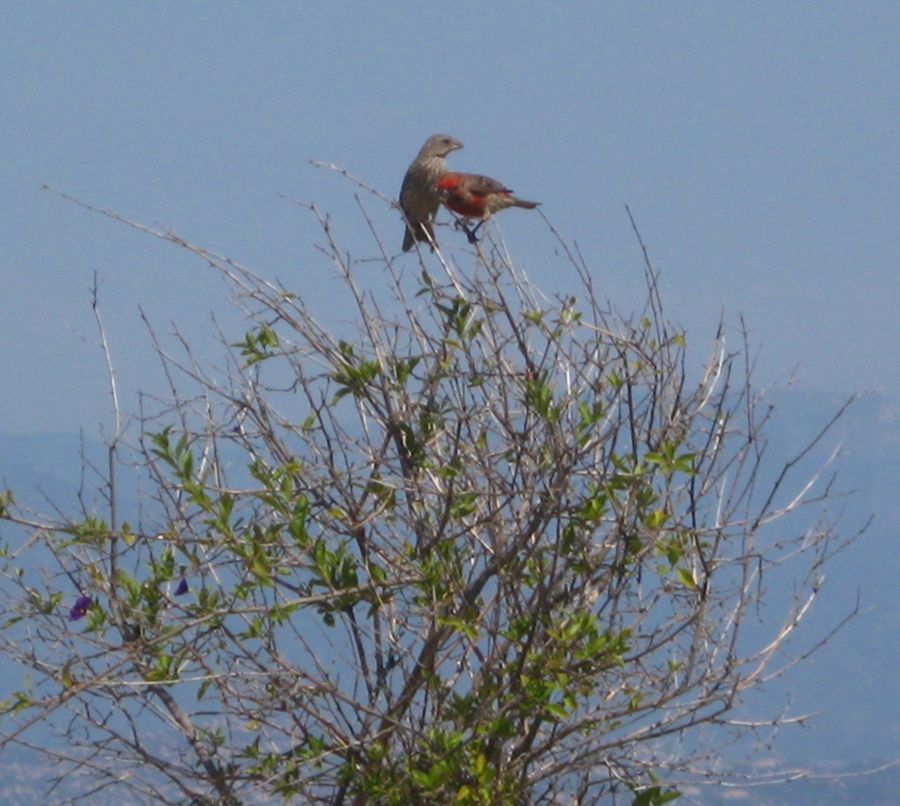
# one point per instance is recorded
(460, 223)
(471, 233)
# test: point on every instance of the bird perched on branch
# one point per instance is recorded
(419, 197)
(476, 196)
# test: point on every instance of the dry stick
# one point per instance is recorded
(112, 448)
(788, 465)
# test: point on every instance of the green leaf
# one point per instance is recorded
(687, 578)
(656, 519)
(6, 500)
(655, 796)
(65, 676)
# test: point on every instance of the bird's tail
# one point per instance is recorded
(418, 235)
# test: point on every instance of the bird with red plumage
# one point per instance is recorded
(474, 196)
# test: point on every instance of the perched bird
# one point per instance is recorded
(476, 196)
(419, 197)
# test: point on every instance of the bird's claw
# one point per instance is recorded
(470, 233)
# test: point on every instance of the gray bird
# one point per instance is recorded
(419, 197)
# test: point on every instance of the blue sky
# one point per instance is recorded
(758, 146)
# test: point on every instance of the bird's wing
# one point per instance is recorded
(484, 185)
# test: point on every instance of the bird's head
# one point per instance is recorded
(439, 145)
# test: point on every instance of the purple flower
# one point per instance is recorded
(80, 608)
(182, 587)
